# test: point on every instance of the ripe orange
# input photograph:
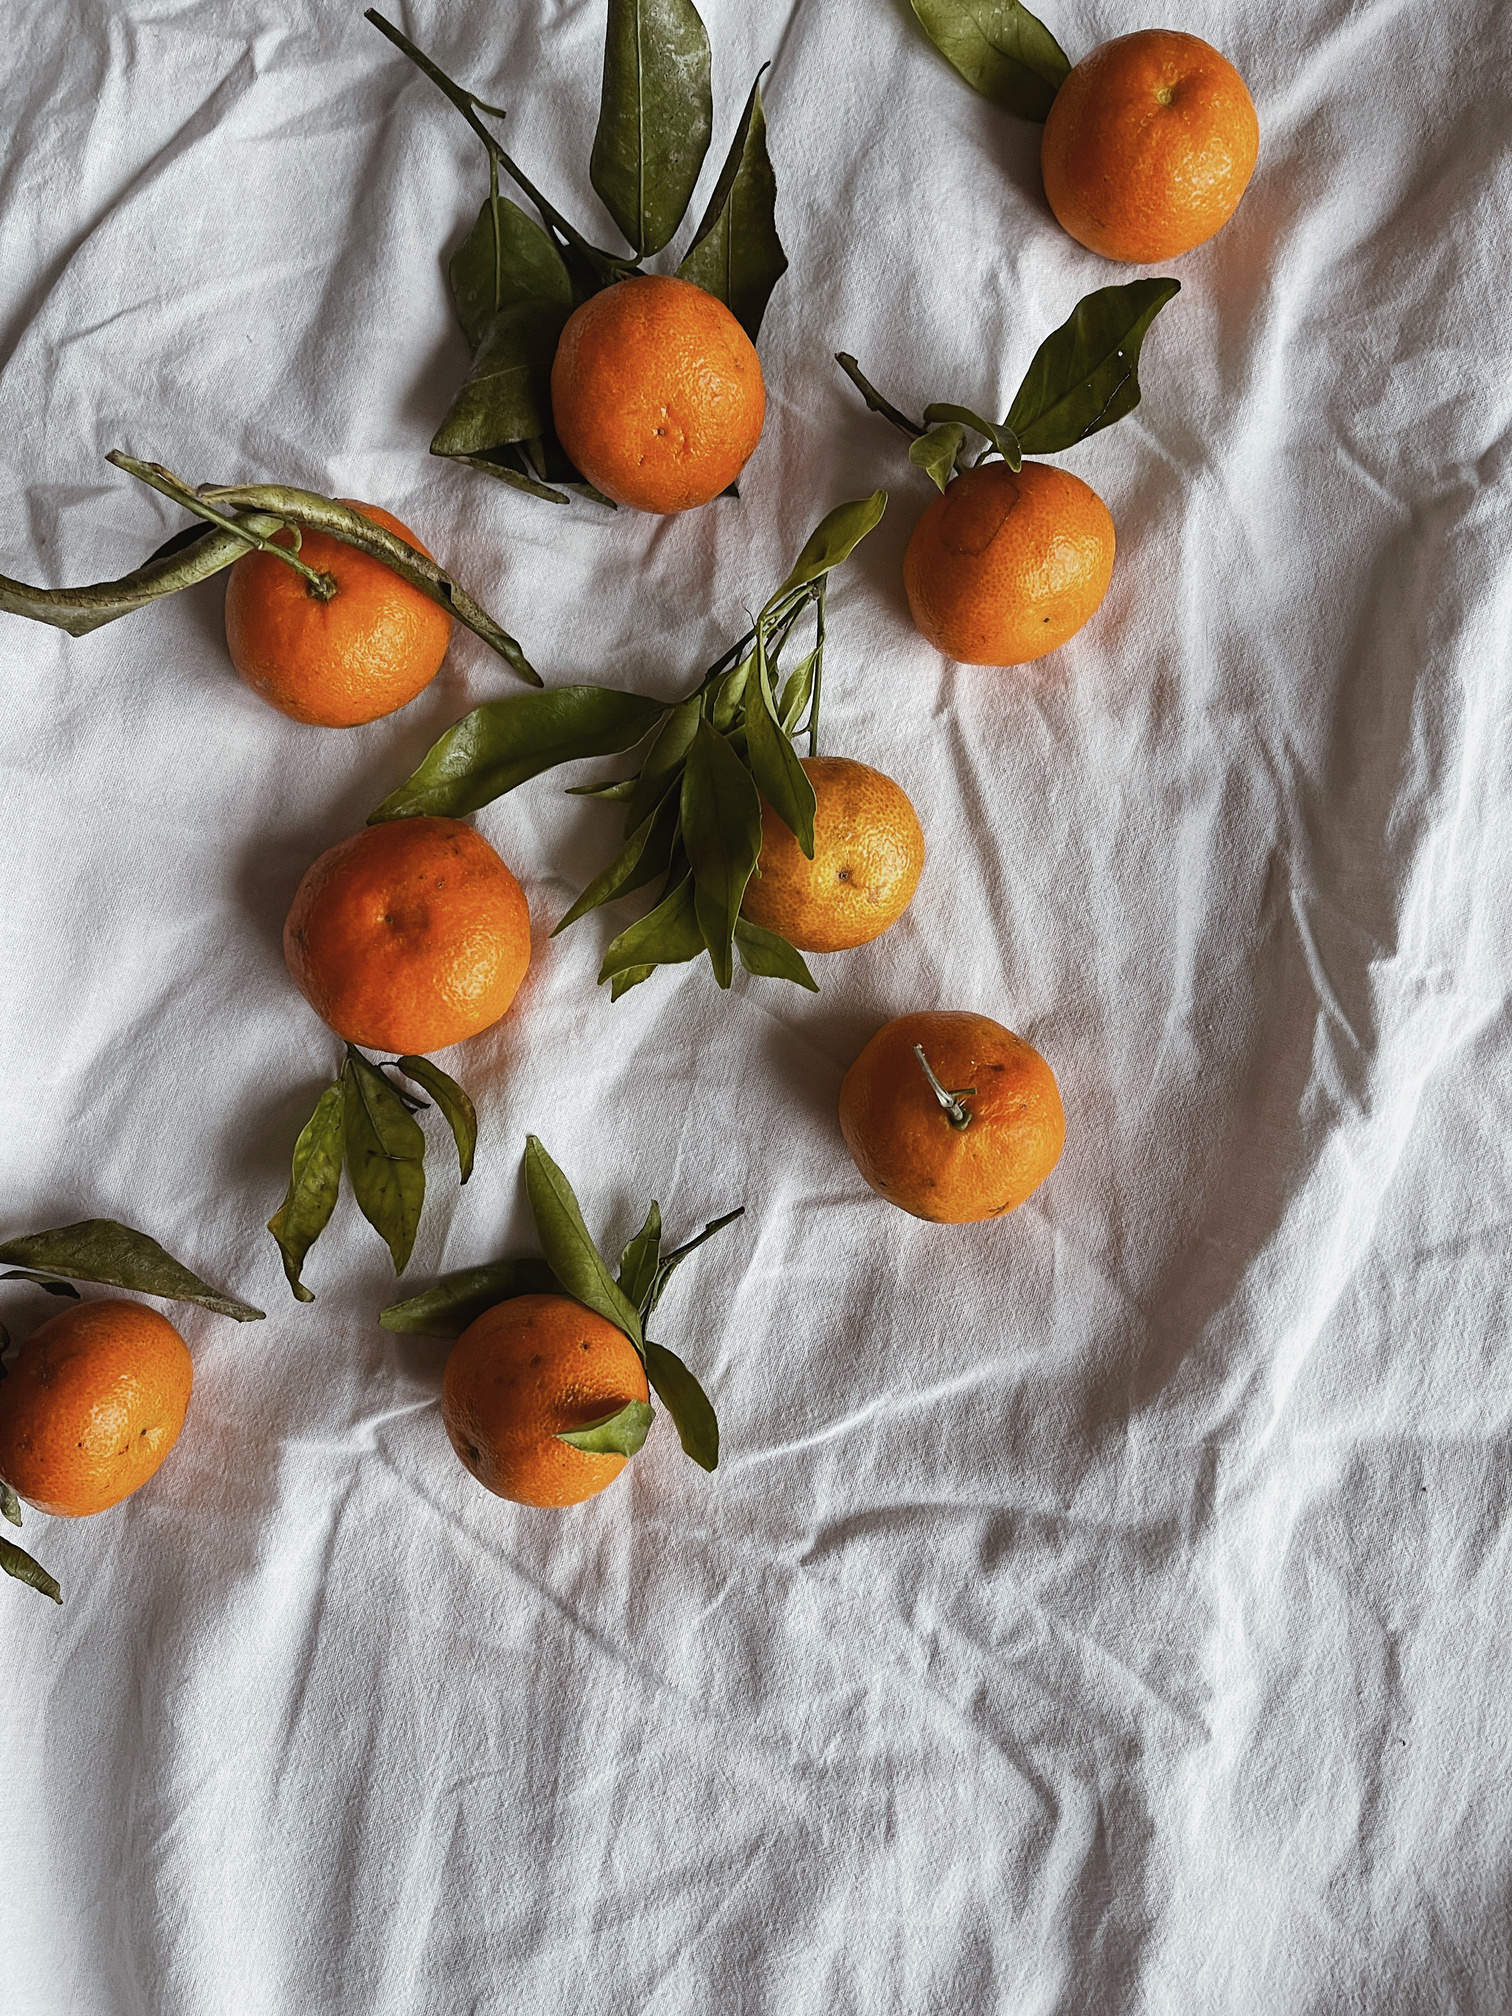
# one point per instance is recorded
(409, 936)
(93, 1402)
(910, 1150)
(1149, 145)
(524, 1372)
(868, 852)
(657, 393)
(368, 650)
(1003, 568)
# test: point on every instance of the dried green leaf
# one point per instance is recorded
(314, 1185)
(1085, 375)
(461, 1298)
(10, 1504)
(688, 1404)
(669, 935)
(620, 1434)
(770, 956)
(656, 115)
(721, 829)
(16, 1561)
(385, 1156)
(99, 1249)
(570, 1251)
(44, 1281)
(736, 254)
(1001, 49)
(457, 1109)
(503, 743)
(638, 1262)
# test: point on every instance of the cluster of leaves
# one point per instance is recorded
(1001, 49)
(572, 1265)
(239, 519)
(364, 1121)
(514, 282)
(1083, 377)
(693, 809)
(97, 1249)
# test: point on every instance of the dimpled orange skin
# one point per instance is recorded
(868, 854)
(525, 1371)
(657, 393)
(903, 1142)
(93, 1402)
(1004, 567)
(369, 650)
(1149, 145)
(409, 936)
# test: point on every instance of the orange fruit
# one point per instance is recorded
(93, 1402)
(409, 936)
(868, 851)
(524, 1372)
(370, 649)
(657, 393)
(908, 1147)
(1149, 145)
(1005, 567)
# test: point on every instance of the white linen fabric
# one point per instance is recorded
(1101, 1610)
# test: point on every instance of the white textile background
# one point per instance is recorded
(1104, 1610)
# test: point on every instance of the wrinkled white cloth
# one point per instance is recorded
(1102, 1610)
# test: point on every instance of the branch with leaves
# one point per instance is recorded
(1083, 377)
(693, 808)
(572, 1265)
(514, 281)
(116, 1256)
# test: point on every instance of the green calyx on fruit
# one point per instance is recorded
(573, 1265)
(1083, 377)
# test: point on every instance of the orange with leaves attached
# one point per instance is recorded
(92, 1405)
(409, 936)
(1006, 565)
(355, 656)
(524, 1373)
(980, 1155)
(657, 393)
(1149, 145)
(868, 855)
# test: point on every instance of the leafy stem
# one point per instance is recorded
(322, 586)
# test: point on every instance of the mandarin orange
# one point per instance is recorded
(657, 393)
(1006, 565)
(92, 1404)
(409, 936)
(526, 1371)
(980, 1160)
(1149, 145)
(868, 855)
(368, 650)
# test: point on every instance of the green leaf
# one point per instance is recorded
(524, 266)
(99, 1249)
(770, 956)
(725, 697)
(644, 856)
(669, 935)
(385, 1156)
(1085, 375)
(776, 766)
(507, 394)
(721, 829)
(461, 1298)
(796, 691)
(638, 1262)
(505, 742)
(620, 1434)
(655, 117)
(615, 790)
(459, 1112)
(570, 1252)
(935, 453)
(664, 759)
(10, 1504)
(1001, 49)
(16, 1561)
(1002, 438)
(737, 254)
(833, 540)
(688, 1404)
(52, 1286)
(313, 1186)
